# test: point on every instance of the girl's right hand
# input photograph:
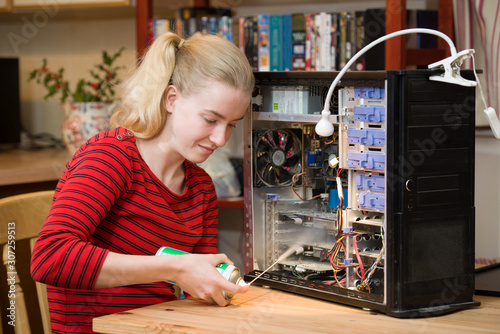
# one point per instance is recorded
(198, 276)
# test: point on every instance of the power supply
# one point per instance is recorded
(380, 215)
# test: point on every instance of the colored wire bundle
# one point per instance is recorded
(295, 179)
(366, 277)
(336, 261)
(334, 138)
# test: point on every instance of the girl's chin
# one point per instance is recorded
(199, 159)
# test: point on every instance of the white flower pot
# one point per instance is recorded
(83, 121)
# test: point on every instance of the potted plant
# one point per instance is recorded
(89, 106)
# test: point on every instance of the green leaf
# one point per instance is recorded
(32, 74)
(46, 79)
(52, 90)
(78, 97)
(118, 53)
(79, 85)
(106, 59)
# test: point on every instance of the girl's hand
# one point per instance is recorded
(198, 276)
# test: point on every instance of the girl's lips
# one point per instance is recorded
(207, 150)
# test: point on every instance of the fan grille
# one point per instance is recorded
(277, 156)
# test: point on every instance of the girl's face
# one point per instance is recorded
(202, 121)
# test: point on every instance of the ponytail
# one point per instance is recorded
(143, 110)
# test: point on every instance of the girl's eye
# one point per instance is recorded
(232, 125)
(210, 121)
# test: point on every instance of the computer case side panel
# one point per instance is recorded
(430, 217)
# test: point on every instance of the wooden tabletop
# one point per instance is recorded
(263, 310)
(25, 166)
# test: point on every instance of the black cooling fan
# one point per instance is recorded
(277, 156)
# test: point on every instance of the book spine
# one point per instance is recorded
(255, 43)
(286, 21)
(347, 37)
(159, 27)
(212, 24)
(314, 43)
(351, 36)
(317, 42)
(325, 35)
(335, 36)
(308, 42)
(328, 34)
(263, 46)
(343, 40)
(179, 28)
(223, 28)
(230, 36)
(249, 43)
(184, 14)
(360, 38)
(204, 27)
(298, 42)
(242, 33)
(192, 23)
(235, 31)
(275, 43)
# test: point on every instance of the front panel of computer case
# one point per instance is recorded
(380, 215)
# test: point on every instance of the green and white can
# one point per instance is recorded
(228, 271)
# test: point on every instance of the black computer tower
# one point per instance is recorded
(381, 214)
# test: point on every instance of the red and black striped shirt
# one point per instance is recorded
(109, 200)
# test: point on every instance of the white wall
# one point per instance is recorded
(487, 197)
(73, 44)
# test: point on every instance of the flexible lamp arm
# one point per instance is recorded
(378, 41)
(324, 126)
(450, 65)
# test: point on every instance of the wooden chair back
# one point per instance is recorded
(22, 217)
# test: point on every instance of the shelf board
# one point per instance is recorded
(71, 14)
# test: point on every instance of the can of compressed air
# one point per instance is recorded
(228, 271)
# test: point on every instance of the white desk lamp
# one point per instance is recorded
(451, 74)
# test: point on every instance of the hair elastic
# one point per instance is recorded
(181, 43)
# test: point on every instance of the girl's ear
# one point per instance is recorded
(171, 95)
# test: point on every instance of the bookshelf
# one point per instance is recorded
(397, 55)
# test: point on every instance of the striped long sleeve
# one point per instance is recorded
(109, 200)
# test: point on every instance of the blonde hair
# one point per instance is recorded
(199, 60)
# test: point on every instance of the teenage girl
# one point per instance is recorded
(129, 191)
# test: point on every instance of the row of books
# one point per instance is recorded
(303, 41)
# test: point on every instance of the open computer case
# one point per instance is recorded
(381, 214)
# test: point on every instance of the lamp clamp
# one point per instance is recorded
(451, 66)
